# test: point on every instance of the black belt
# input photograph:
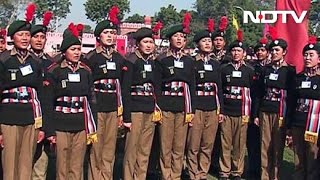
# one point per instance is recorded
(142, 89)
(173, 89)
(107, 86)
(75, 104)
(15, 95)
(205, 88)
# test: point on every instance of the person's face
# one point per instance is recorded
(205, 45)
(21, 39)
(277, 53)
(178, 40)
(311, 58)
(2, 45)
(146, 45)
(107, 37)
(237, 54)
(38, 41)
(73, 53)
(218, 43)
(262, 53)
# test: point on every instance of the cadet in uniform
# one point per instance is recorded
(202, 133)
(3, 42)
(107, 69)
(141, 104)
(219, 42)
(178, 90)
(237, 79)
(72, 123)
(253, 142)
(21, 85)
(277, 81)
(38, 41)
(304, 122)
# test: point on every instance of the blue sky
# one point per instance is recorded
(143, 7)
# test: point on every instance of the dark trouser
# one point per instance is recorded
(272, 145)
(253, 147)
(306, 157)
(201, 138)
(233, 143)
(17, 154)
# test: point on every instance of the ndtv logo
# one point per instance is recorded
(260, 16)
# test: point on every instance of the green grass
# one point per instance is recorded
(287, 166)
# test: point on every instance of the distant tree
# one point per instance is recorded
(97, 10)
(60, 9)
(87, 29)
(135, 18)
(7, 12)
(168, 15)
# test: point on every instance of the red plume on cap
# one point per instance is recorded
(80, 27)
(3, 32)
(240, 35)
(113, 15)
(263, 40)
(223, 23)
(313, 40)
(210, 25)
(157, 27)
(273, 33)
(30, 10)
(73, 29)
(46, 18)
(186, 22)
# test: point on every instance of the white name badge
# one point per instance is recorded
(208, 67)
(74, 77)
(306, 84)
(147, 67)
(26, 70)
(178, 64)
(111, 65)
(273, 76)
(236, 74)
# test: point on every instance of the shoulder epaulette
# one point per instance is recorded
(53, 66)
(132, 57)
(161, 56)
(84, 66)
(5, 55)
(90, 54)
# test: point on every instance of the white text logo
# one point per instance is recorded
(260, 16)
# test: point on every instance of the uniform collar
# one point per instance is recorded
(106, 52)
(279, 64)
(177, 54)
(21, 57)
(71, 65)
(202, 57)
(310, 72)
(237, 65)
(218, 54)
(39, 55)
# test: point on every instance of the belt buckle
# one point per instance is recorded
(208, 88)
(175, 89)
(108, 86)
(74, 104)
(21, 95)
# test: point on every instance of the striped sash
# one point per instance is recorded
(107, 84)
(313, 125)
(80, 104)
(25, 95)
(246, 104)
(179, 88)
